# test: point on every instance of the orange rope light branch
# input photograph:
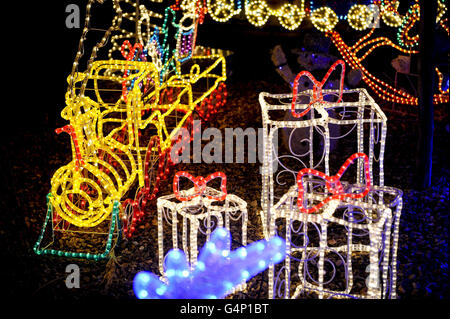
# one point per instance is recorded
(381, 88)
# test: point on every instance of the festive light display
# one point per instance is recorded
(381, 88)
(223, 10)
(199, 186)
(290, 16)
(403, 37)
(324, 19)
(360, 17)
(296, 198)
(357, 115)
(317, 88)
(333, 184)
(324, 250)
(51, 217)
(216, 274)
(110, 144)
(201, 209)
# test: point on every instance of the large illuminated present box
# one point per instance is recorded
(321, 139)
(346, 250)
(317, 129)
(187, 218)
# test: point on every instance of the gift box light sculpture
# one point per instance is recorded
(215, 275)
(198, 210)
(124, 117)
(336, 227)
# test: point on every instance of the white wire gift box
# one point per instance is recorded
(188, 217)
(347, 250)
(316, 130)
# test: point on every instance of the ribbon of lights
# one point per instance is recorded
(317, 89)
(381, 88)
(333, 184)
(324, 18)
(199, 185)
(218, 272)
(403, 37)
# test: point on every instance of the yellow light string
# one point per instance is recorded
(440, 80)
(389, 13)
(289, 16)
(324, 19)
(359, 17)
(222, 10)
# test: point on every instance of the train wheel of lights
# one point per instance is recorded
(221, 10)
(324, 19)
(290, 16)
(85, 199)
(257, 12)
(360, 17)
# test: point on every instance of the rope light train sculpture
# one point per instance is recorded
(331, 223)
(124, 116)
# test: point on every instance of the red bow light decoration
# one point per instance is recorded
(333, 184)
(130, 56)
(317, 89)
(200, 186)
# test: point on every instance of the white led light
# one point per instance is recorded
(197, 218)
(359, 120)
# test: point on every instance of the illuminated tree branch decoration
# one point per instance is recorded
(217, 272)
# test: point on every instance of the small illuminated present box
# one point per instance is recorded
(347, 248)
(187, 218)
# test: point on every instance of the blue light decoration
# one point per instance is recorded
(217, 272)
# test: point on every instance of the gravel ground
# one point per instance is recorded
(30, 158)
